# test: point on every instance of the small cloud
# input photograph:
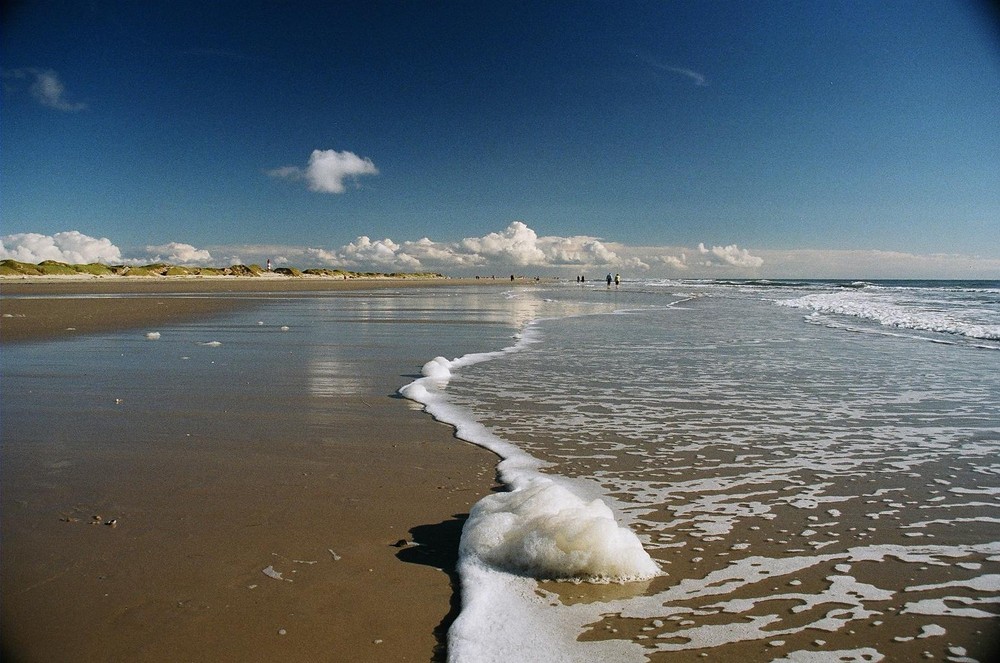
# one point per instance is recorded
(327, 170)
(732, 255)
(71, 247)
(46, 88)
(699, 79)
(286, 172)
(177, 253)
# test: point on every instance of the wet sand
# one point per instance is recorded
(28, 311)
(232, 541)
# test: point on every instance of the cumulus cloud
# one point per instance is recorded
(732, 255)
(327, 170)
(517, 245)
(70, 247)
(440, 255)
(177, 253)
(674, 262)
(47, 88)
(382, 253)
(578, 250)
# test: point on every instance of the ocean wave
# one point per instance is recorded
(857, 304)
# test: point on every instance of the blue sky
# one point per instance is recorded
(854, 139)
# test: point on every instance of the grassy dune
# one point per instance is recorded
(53, 268)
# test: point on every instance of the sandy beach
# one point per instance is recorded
(231, 540)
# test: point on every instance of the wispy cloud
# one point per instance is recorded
(46, 87)
(327, 170)
(697, 78)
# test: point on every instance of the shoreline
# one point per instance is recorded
(365, 525)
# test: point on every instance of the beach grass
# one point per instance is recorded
(14, 268)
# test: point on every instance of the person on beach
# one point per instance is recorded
(609, 279)
(618, 280)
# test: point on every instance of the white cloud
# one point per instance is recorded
(674, 262)
(699, 79)
(520, 248)
(327, 170)
(517, 245)
(732, 255)
(440, 255)
(177, 253)
(579, 250)
(381, 253)
(71, 247)
(286, 172)
(573, 255)
(46, 88)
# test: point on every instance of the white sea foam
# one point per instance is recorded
(508, 618)
(545, 527)
(860, 655)
(153, 336)
(544, 530)
(886, 312)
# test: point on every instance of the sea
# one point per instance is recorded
(732, 470)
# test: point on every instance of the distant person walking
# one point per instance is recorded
(609, 279)
(618, 280)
